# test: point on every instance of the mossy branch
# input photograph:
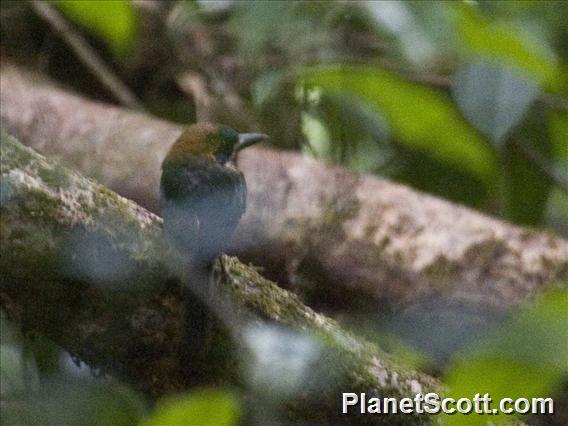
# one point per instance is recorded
(343, 239)
(86, 268)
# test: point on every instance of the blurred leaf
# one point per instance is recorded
(281, 361)
(525, 189)
(278, 109)
(317, 135)
(557, 211)
(212, 5)
(559, 135)
(527, 358)
(115, 21)
(265, 27)
(503, 44)
(208, 407)
(355, 135)
(88, 403)
(46, 354)
(266, 88)
(421, 28)
(492, 98)
(18, 373)
(421, 118)
(404, 353)
(421, 171)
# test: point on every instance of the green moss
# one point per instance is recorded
(39, 203)
(53, 176)
(263, 296)
(13, 154)
(346, 355)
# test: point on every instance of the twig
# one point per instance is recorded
(86, 54)
(534, 157)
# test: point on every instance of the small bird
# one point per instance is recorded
(202, 199)
(202, 193)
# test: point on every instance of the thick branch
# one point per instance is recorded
(87, 268)
(348, 238)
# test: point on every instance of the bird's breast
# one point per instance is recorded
(202, 194)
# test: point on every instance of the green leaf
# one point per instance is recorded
(317, 135)
(266, 87)
(61, 401)
(557, 210)
(502, 43)
(559, 135)
(115, 21)
(208, 407)
(420, 118)
(527, 358)
(423, 172)
(526, 190)
(492, 98)
(18, 373)
(353, 135)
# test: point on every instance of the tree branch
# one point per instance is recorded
(87, 268)
(340, 238)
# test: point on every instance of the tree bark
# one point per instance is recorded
(340, 239)
(89, 270)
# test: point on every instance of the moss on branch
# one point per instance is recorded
(89, 269)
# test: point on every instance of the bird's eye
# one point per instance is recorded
(228, 139)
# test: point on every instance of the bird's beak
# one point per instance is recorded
(248, 139)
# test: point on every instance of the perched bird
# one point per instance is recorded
(202, 198)
(202, 193)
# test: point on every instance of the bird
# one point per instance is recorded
(202, 199)
(202, 193)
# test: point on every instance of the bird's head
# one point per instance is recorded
(217, 142)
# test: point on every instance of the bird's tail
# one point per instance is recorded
(198, 316)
